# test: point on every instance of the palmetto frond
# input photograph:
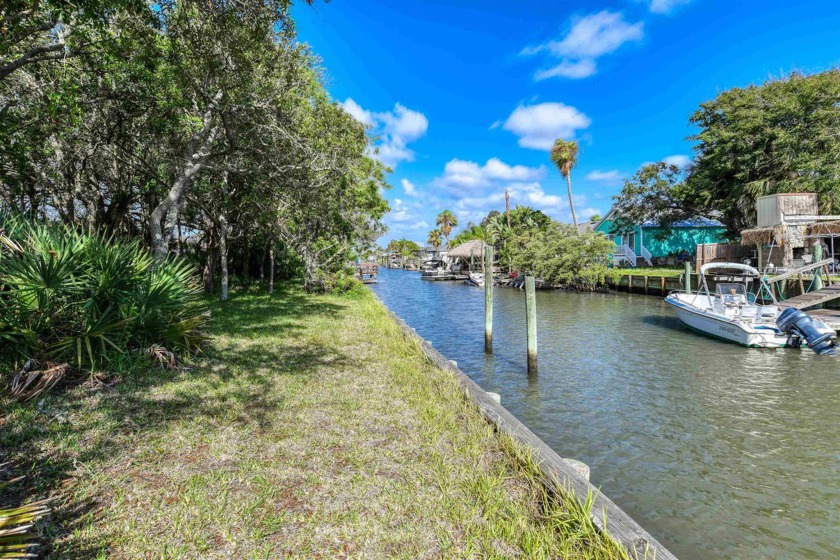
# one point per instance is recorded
(82, 297)
(18, 538)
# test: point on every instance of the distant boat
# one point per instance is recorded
(434, 268)
(733, 313)
(475, 279)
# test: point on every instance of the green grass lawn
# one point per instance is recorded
(311, 428)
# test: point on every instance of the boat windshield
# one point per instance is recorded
(731, 293)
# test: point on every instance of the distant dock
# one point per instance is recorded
(367, 272)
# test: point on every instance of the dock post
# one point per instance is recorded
(687, 275)
(488, 298)
(531, 322)
(818, 283)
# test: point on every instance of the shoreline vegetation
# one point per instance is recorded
(309, 428)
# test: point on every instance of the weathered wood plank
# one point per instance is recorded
(559, 476)
(812, 298)
(789, 273)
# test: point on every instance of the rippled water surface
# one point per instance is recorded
(719, 451)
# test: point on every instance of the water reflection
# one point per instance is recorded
(719, 451)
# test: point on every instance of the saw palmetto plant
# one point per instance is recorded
(81, 298)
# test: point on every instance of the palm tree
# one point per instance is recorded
(497, 229)
(473, 232)
(446, 220)
(564, 155)
(434, 239)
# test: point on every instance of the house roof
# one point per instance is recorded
(698, 221)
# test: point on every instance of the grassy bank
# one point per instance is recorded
(644, 271)
(311, 429)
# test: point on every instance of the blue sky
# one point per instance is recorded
(467, 96)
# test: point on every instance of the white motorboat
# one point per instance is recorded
(475, 279)
(734, 312)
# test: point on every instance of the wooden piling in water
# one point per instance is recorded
(687, 274)
(531, 322)
(488, 298)
(818, 283)
(558, 475)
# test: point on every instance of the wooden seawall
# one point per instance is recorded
(559, 476)
(650, 285)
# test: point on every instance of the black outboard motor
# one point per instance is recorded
(799, 325)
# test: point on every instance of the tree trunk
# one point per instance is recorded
(246, 267)
(160, 238)
(210, 271)
(571, 201)
(271, 269)
(223, 255)
(262, 264)
(195, 159)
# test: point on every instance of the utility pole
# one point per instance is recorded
(507, 206)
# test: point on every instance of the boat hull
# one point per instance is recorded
(724, 329)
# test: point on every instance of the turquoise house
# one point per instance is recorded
(648, 244)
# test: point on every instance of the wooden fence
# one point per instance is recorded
(723, 252)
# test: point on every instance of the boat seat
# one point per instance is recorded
(749, 311)
(769, 311)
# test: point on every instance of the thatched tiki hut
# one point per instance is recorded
(775, 244)
(788, 229)
(470, 254)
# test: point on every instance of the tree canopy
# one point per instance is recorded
(780, 136)
(200, 127)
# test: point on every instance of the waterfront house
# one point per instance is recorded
(648, 244)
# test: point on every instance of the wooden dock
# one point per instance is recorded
(367, 272)
(812, 299)
(444, 277)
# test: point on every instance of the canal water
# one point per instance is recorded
(718, 451)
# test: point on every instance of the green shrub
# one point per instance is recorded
(85, 298)
(562, 257)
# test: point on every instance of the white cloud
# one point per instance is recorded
(568, 69)
(585, 214)
(396, 129)
(409, 188)
(402, 213)
(665, 6)
(588, 38)
(539, 125)
(461, 175)
(609, 177)
(475, 208)
(364, 117)
(680, 161)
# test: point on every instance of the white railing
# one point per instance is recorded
(647, 256)
(625, 252)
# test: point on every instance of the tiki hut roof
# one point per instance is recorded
(760, 236)
(474, 248)
(830, 228)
